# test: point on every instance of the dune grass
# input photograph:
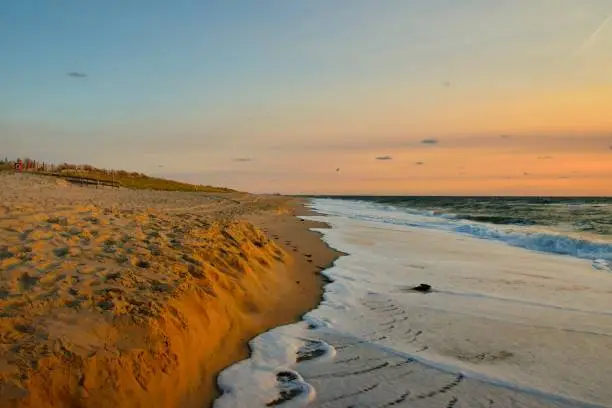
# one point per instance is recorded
(140, 181)
(123, 178)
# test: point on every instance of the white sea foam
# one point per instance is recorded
(503, 326)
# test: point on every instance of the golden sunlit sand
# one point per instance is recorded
(116, 297)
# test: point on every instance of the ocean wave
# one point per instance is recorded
(543, 242)
(498, 219)
(576, 214)
(517, 234)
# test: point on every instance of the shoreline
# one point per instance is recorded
(296, 238)
(506, 329)
(140, 298)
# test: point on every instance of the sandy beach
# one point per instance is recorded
(116, 297)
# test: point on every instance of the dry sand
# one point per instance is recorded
(114, 297)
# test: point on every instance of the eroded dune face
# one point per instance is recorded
(116, 297)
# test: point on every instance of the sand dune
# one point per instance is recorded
(137, 298)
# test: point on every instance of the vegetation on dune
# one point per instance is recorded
(141, 181)
(123, 178)
(5, 164)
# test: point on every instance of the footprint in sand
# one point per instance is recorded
(27, 282)
(61, 252)
(5, 253)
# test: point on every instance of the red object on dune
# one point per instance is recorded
(18, 165)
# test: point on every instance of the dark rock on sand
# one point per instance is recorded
(423, 287)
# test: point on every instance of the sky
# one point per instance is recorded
(472, 97)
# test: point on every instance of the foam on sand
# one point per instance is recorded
(502, 326)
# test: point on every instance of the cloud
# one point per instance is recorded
(419, 163)
(545, 157)
(384, 158)
(446, 84)
(533, 144)
(77, 75)
(592, 39)
(243, 159)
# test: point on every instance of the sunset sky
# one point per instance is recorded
(403, 96)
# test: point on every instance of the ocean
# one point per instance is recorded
(519, 311)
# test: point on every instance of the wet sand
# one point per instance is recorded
(114, 297)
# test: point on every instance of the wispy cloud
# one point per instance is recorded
(592, 39)
(419, 163)
(77, 75)
(535, 144)
(243, 159)
(545, 157)
(384, 158)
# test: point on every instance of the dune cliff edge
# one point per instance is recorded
(139, 298)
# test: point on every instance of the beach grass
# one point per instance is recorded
(138, 181)
(119, 178)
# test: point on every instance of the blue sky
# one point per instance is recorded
(192, 85)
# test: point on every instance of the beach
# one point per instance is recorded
(498, 326)
(117, 297)
(134, 298)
